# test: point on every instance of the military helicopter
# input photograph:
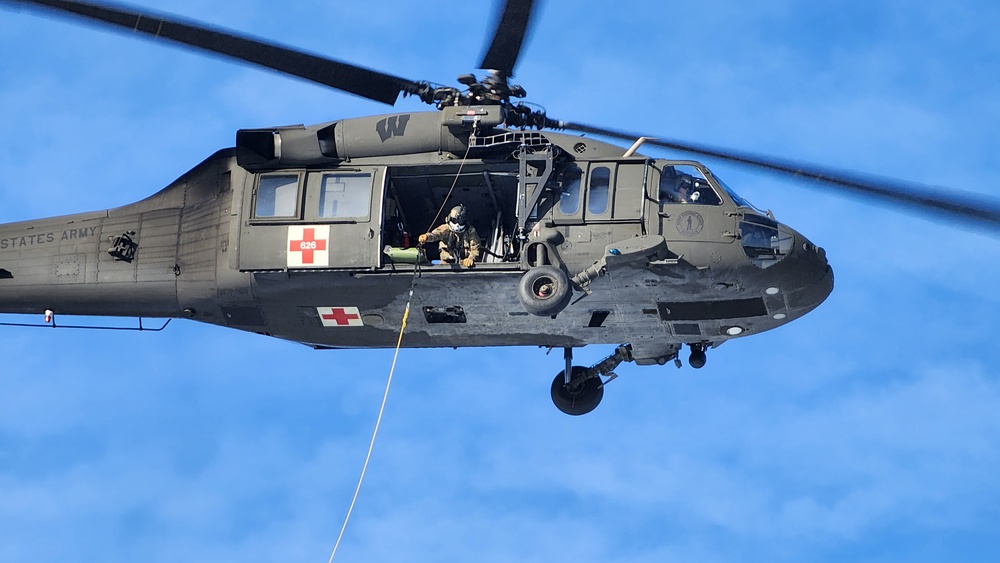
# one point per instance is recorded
(306, 233)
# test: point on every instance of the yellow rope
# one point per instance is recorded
(378, 422)
(399, 342)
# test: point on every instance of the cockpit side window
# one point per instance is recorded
(684, 184)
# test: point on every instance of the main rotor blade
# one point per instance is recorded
(351, 78)
(967, 208)
(512, 27)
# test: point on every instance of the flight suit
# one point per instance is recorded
(456, 246)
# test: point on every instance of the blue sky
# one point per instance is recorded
(867, 431)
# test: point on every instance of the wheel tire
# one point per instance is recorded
(697, 359)
(544, 291)
(578, 401)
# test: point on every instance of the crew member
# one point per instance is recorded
(458, 241)
(678, 189)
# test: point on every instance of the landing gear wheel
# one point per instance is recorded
(697, 358)
(544, 291)
(580, 399)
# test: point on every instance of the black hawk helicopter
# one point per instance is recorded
(308, 233)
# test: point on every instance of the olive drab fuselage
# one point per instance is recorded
(302, 233)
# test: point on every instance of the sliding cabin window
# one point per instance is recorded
(344, 196)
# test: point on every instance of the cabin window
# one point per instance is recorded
(600, 184)
(344, 196)
(569, 186)
(277, 196)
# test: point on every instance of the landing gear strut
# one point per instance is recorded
(578, 390)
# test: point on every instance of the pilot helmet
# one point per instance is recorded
(685, 182)
(457, 218)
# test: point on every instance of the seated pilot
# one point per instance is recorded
(677, 188)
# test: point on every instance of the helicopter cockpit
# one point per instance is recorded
(765, 241)
(686, 184)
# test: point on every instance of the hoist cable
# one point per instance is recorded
(378, 422)
(454, 182)
(392, 370)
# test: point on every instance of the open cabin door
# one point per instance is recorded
(309, 219)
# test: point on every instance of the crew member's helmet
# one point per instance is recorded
(457, 218)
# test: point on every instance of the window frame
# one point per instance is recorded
(608, 181)
(255, 196)
(315, 193)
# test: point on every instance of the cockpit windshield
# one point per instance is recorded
(737, 198)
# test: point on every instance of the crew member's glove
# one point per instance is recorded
(468, 262)
(422, 239)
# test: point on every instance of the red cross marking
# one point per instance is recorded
(340, 317)
(308, 245)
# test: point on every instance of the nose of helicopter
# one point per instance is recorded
(813, 276)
